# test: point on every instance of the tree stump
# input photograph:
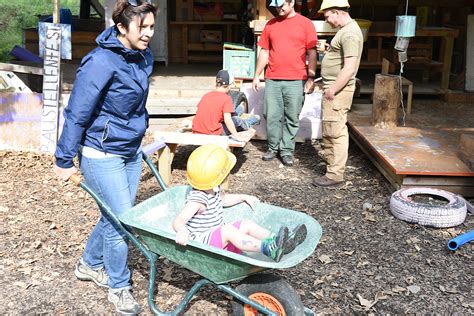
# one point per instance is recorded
(386, 101)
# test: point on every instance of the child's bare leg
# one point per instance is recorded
(239, 239)
(253, 229)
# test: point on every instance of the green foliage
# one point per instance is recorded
(20, 14)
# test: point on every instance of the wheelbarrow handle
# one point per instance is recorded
(76, 179)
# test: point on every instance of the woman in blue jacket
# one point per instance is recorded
(105, 122)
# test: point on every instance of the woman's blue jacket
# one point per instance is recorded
(106, 110)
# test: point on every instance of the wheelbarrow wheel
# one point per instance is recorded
(272, 292)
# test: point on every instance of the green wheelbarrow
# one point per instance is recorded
(149, 226)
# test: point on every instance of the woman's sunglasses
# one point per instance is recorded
(136, 3)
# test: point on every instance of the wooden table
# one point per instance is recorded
(173, 139)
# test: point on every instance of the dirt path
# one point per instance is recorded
(366, 262)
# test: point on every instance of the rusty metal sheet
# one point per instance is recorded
(427, 145)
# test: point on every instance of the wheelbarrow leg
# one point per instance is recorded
(152, 257)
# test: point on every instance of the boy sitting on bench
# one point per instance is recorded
(216, 114)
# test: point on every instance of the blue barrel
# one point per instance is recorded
(21, 53)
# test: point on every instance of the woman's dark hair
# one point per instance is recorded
(125, 11)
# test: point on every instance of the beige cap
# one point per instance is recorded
(327, 4)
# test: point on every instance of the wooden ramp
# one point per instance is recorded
(425, 152)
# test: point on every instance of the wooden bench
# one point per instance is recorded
(173, 139)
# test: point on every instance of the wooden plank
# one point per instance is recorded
(448, 56)
(453, 186)
(205, 47)
(445, 181)
(201, 139)
(21, 69)
(205, 58)
(167, 106)
(98, 7)
(458, 97)
(192, 139)
(165, 159)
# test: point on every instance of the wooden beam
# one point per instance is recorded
(98, 7)
(56, 12)
(21, 69)
(85, 9)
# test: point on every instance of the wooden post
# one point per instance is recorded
(85, 9)
(386, 101)
(56, 14)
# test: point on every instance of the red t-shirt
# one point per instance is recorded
(210, 113)
(288, 40)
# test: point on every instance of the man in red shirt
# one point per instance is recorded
(215, 109)
(287, 41)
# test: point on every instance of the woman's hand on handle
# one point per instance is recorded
(64, 173)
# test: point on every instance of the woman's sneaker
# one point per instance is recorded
(84, 273)
(124, 301)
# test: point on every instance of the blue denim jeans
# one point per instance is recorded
(115, 180)
(239, 123)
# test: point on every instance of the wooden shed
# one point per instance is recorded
(430, 149)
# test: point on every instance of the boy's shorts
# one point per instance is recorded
(216, 239)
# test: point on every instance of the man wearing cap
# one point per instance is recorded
(214, 115)
(338, 69)
(286, 42)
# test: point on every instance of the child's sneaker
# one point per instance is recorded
(252, 120)
(84, 273)
(273, 246)
(124, 301)
(295, 238)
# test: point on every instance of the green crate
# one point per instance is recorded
(239, 60)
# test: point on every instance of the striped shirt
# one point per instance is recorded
(203, 223)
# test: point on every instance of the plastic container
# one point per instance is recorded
(239, 60)
(364, 26)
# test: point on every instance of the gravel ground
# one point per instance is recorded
(367, 262)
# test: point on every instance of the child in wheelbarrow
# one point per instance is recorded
(202, 219)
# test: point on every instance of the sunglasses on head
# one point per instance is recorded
(136, 3)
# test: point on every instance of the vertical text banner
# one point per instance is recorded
(51, 88)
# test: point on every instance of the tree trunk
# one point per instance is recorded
(386, 101)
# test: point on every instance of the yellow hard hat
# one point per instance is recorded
(333, 4)
(208, 165)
